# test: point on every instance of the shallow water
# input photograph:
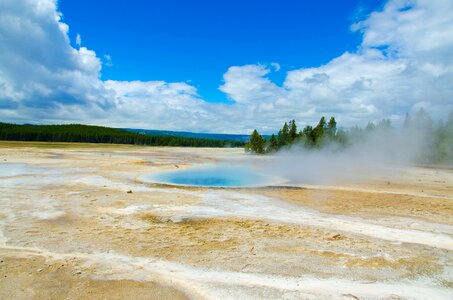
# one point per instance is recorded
(212, 176)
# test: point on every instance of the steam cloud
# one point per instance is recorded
(379, 153)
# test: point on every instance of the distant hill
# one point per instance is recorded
(77, 133)
(211, 136)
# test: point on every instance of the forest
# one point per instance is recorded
(436, 138)
(76, 133)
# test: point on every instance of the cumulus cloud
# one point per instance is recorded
(172, 105)
(40, 73)
(247, 84)
(404, 62)
(417, 29)
(45, 80)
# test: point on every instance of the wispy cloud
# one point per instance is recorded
(78, 40)
(276, 66)
(108, 60)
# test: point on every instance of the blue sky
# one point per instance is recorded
(197, 41)
(224, 66)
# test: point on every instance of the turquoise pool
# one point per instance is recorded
(212, 176)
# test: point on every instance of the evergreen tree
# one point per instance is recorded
(282, 137)
(407, 121)
(318, 131)
(341, 137)
(384, 124)
(273, 144)
(422, 120)
(308, 136)
(332, 127)
(370, 127)
(256, 143)
(97, 134)
(322, 123)
(292, 131)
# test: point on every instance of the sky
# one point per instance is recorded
(224, 66)
(197, 41)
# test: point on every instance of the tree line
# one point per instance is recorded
(288, 135)
(76, 133)
(439, 137)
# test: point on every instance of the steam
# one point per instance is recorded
(374, 154)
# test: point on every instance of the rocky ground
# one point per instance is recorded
(77, 221)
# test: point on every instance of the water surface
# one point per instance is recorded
(212, 176)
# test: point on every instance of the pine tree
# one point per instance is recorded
(341, 137)
(322, 123)
(318, 131)
(308, 136)
(423, 120)
(384, 124)
(370, 127)
(282, 137)
(256, 143)
(407, 121)
(332, 127)
(273, 144)
(292, 131)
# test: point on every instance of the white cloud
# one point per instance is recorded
(108, 60)
(276, 66)
(404, 62)
(247, 83)
(165, 105)
(40, 73)
(78, 40)
(421, 30)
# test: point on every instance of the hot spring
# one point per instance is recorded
(211, 176)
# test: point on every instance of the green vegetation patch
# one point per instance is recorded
(76, 133)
